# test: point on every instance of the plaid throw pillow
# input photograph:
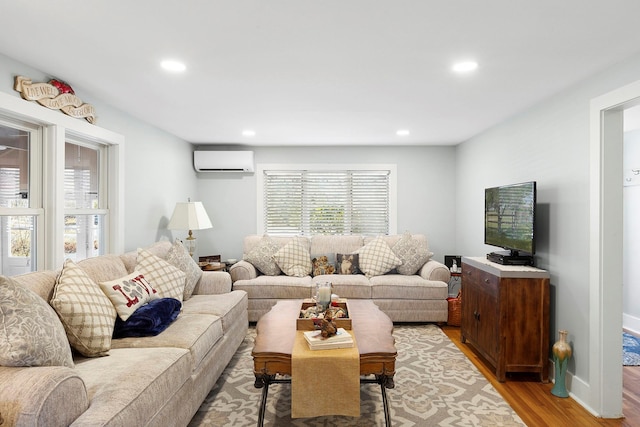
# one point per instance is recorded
(377, 258)
(168, 280)
(86, 313)
(294, 259)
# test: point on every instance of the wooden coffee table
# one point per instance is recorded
(276, 333)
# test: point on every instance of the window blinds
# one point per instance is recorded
(305, 202)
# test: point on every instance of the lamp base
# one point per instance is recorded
(190, 244)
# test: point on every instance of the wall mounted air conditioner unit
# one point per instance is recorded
(223, 161)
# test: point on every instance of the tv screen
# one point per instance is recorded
(509, 217)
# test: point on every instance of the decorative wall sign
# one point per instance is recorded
(56, 95)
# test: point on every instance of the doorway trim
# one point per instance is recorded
(605, 253)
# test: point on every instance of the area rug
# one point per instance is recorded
(436, 385)
(630, 350)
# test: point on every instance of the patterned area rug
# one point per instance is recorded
(436, 385)
(630, 350)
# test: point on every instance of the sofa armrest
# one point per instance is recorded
(212, 283)
(243, 270)
(434, 270)
(38, 396)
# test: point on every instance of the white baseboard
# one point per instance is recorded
(631, 323)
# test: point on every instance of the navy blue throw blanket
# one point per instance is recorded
(148, 320)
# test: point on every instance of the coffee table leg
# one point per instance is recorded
(263, 381)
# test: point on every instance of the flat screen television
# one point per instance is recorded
(509, 222)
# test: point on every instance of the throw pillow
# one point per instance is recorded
(168, 280)
(377, 258)
(31, 333)
(348, 263)
(412, 254)
(178, 256)
(322, 265)
(128, 293)
(293, 259)
(261, 256)
(86, 313)
(149, 320)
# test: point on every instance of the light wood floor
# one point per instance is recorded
(534, 403)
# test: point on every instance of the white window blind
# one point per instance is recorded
(308, 202)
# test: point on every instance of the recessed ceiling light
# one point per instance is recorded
(402, 132)
(248, 132)
(173, 65)
(464, 67)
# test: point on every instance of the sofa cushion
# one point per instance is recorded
(194, 332)
(179, 257)
(412, 253)
(261, 256)
(129, 293)
(348, 285)
(149, 319)
(293, 258)
(377, 258)
(103, 268)
(400, 287)
(230, 307)
(87, 314)
(31, 333)
(280, 287)
(167, 279)
(131, 385)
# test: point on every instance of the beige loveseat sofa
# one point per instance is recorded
(415, 296)
(153, 381)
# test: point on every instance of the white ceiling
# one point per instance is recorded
(301, 72)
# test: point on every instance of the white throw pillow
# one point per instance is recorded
(377, 258)
(31, 332)
(128, 293)
(294, 259)
(168, 280)
(87, 315)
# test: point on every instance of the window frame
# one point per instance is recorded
(49, 164)
(260, 178)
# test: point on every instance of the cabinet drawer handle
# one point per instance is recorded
(486, 281)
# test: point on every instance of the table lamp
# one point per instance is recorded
(189, 216)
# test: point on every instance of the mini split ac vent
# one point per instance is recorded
(223, 161)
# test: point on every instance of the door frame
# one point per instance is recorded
(605, 253)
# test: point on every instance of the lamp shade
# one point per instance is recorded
(189, 216)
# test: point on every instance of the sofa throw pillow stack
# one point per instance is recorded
(412, 254)
(377, 258)
(179, 257)
(87, 315)
(168, 280)
(31, 333)
(261, 256)
(293, 258)
(129, 293)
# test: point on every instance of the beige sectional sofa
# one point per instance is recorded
(155, 380)
(419, 296)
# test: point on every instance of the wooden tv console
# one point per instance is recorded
(505, 315)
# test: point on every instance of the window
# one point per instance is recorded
(61, 188)
(83, 216)
(18, 209)
(329, 199)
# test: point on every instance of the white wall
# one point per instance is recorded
(426, 186)
(550, 144)
(158, 169)
(631, 195)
